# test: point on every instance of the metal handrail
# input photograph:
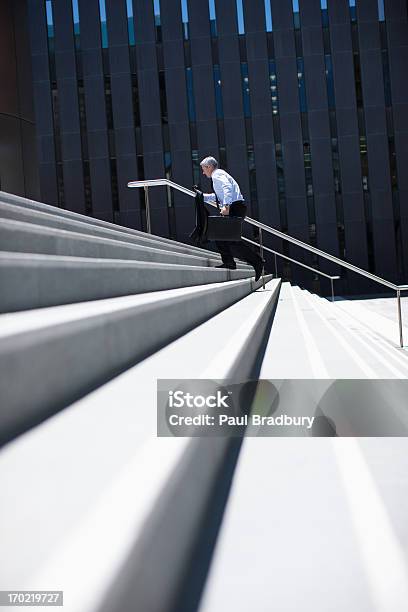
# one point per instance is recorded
(299, 263)
(344, 264)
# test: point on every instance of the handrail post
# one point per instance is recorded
(148, 219)
(332, 289)
(276, 267)
(261, 253)
(260, 243)
(400, 318)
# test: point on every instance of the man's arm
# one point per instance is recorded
(209, 198)
(222, 186)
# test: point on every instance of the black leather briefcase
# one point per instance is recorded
(224, 228)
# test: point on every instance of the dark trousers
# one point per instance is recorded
(228, 250)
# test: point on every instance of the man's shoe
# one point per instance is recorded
(258, 269)
(227, 266)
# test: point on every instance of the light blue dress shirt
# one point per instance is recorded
(226, 188)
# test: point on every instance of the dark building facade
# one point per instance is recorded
(18, 151)
(304, 102)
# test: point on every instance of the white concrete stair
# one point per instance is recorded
(379, 315)
(50, 256)
(48, 213)
(60, 353)
(32, 280)
(114, 511)
(94, 314)
(314, 338)
(51, 220)
(23, 237)
(314, 525)
(320, 525)
(287, 353)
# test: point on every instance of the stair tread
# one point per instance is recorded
(312, 338)
(39, 280)
(382, 323)
(49, 219)
(21, 202)
(42, 239)
(32, 228)
(286, 354)
(119, 415)
(382, 358)
(34, 320)
(93, 341)
(297, 513)
(48, 258)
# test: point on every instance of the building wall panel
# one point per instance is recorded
(377, 139)
(348, 135)
(122, 105)
(150, 111)
(234, 124)
(397, 39)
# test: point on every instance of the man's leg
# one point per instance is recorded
(225, 252)
(226, 247)
(243, 251)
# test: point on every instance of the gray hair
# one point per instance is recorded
(209, 161)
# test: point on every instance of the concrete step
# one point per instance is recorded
(17, 236)
(374, 356)
(335, 354)
(62, 353)
(313, 526)
(287, 352)
(380, 315)
(107, 494)
(312, 338)
(32, 205)
(50, 219)
(35, 281)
